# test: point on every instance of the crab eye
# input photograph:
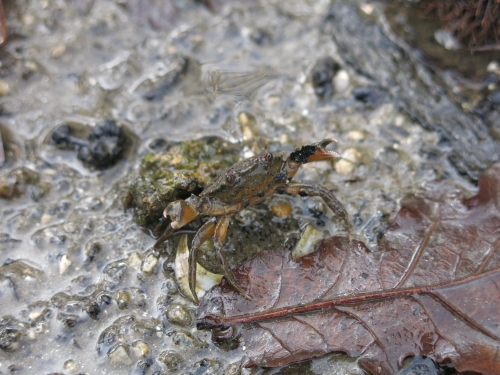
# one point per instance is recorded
(231, 177)
(268, 157)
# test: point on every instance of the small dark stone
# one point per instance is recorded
(63, 137)
(101, 150)
(158, 145)
(172, 360)
(322, 77)
(106, 299)
(93, 310)
(260, 37)
(69, 320)
(425, 366)
(207, 366)
(92, 250)
(9, 338)
(370, 95)
(494, 97)
(106, 144)
(171, 80)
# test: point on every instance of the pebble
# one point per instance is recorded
(119, 354)
(172, 360)
(64, 264)
(178, 314)
(367, 9)
(307, 242)
(45, 219)
(140, 348)
(149, 264)
(493, 67)
(281, 209)
(233, 369)
(70, 366)
(123, 299)
(4, 87)
(322, 74)
(346, 165)
(34, 315)
(247, 123)
(341, 81)
(32, 334)
(58, 51)
(134, 260)
(356, 135)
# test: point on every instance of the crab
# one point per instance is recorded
(245, 183)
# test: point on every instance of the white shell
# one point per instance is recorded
(204, 278)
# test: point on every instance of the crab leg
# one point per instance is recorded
(219, 239)
(166, 234)
(311, 189)
(204, 233)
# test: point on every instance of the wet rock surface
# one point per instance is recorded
(82, 288)
(367, 47)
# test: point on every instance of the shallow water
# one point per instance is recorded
(73, 281)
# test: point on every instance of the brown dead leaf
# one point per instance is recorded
(432, 288)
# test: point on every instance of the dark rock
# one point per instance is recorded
(64, 138)
(106, 144)
(93, 310)
(170, 81)
(369, 95)
(322, 77)
(364, 45)
(101, 150)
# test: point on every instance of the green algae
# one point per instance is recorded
(183, 169)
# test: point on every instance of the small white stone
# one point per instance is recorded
(28, 19)
(140, 348)
(70, 366)
(64, 264)
(346, 165)
(31, 66)
(4, 87)
(356, 135)
(119, 354)
(367, 9)
(352, 155)
(283, 139)
(341, 81)
(204, 278)
(247, 133)
(446, 39)
(45, 219)
(493, 67)
(57, 51)
(149, 264)
(134, 260)
(32, 334)
(307, 242)
(34, 315)
(399, 120)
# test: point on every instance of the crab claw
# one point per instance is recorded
(180, 213)
(314, 152)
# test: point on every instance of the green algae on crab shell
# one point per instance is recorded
(185, 168)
